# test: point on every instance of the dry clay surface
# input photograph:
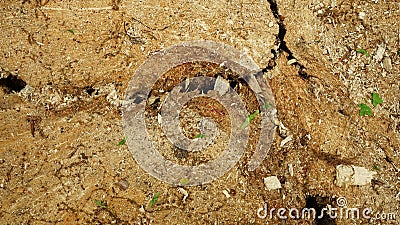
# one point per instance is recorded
(65, 66)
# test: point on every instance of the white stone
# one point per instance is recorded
(290, 62)
(290, 169)
(141, 209)
(353, 175)
(272, 183)
(361, 15)
(226, 193)
(379, 53)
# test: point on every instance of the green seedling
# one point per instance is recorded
(376, 99)
(71, 31)
(362, 51)
(250, 118)
(122, 142)
(200, 136)
(267, 105)
(365, 110)
(100, 204)
(154, 199)
(184, 181)
(376, 167)
(398, 52)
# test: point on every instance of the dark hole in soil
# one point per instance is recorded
(12, 83)
(318, 203)
(89, 90)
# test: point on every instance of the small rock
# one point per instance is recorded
(272, 183)
(290, 169)
(271, 24)
(379, 53)
(221, 86)
(361, 15)
(286, 140)
(290, 62)
(141, 209)
(159, 118)
(123, 184)
(226, 193)
(184, 193)
(387, 64)
(283, 131)
(353, 175)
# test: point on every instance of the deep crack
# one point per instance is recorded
(282, 47)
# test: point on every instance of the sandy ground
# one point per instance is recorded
(65, 66)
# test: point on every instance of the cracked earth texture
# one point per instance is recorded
(65, 66)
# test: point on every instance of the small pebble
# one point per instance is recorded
(272, 183)
(271, 24)
(184, 193)
(290, 62)
(361, 15)
(290, 169)
(387, 64)
(286, 140)
(227, 195)
(123, 184)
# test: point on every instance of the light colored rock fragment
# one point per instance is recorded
(290, 62)
(272, 183)
(141, 209)
(290, 169)
(379, 53)
(221, 86)
(353, 175)
(361, 15)
(184, 193)
(226, 193)
(286, 140)
(387, 64)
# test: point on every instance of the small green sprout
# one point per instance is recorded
(250, 118)
(200, 136)
(362, 51)
(376, 167)
(71, 31)
(183, 181)
(100, 204)
(365, 110)
(122, 142)
(154, 199)
(398, 52)
(267, 105)
(376, 99)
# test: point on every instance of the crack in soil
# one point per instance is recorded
(282, 47)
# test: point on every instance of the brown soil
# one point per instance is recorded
(65, 66)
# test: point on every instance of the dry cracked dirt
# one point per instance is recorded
(65, 66)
